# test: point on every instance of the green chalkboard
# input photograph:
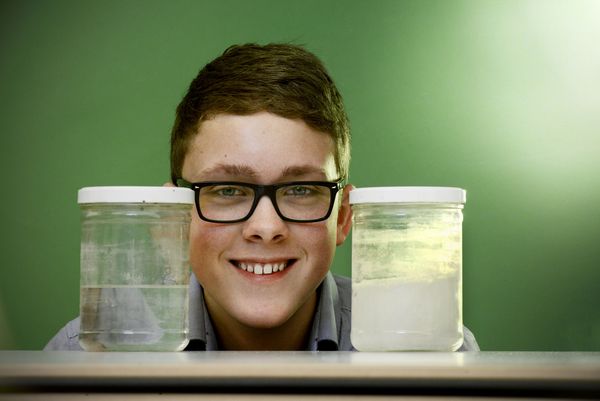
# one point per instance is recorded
(501, 98)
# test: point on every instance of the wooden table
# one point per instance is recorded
(56, 375)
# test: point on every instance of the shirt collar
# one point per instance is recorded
(327, 322)
(202, 334)
(324, 335)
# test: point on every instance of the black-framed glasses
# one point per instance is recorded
(233, 202)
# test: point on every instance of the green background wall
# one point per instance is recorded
(499, 97)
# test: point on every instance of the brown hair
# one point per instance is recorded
(282, 79)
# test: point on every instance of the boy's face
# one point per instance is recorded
(262, 148)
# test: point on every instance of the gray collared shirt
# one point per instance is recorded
(330, 328)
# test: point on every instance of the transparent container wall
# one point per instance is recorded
(407, 277)
(134, 277)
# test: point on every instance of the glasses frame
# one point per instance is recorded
(259, 191)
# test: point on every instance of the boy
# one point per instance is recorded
(262, 138)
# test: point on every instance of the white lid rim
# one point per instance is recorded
(134, 194)
(408, 195)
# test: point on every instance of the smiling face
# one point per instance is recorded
(293, 258)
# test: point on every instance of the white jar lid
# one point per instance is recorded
(408, 195)
(135, 195)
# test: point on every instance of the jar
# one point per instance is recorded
(134, 268)
(407, 268)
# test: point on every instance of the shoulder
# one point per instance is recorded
(344, 287)
(67, 339)
(469, 341)
(344, 312)
(342, 281)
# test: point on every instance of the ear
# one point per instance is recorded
(344, 219)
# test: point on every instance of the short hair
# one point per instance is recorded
(282, 79)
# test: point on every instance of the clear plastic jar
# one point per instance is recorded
(407, 268)
(134, 268)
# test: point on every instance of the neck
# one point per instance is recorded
(292, 335)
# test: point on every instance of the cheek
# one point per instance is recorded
(319, 242)
(206, 243)
(197, 241)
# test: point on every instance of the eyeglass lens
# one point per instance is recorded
(233, 202)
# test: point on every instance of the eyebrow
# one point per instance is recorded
(296, 171)
(247, 171)
(230, 169)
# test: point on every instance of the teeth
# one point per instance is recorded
(257, 268)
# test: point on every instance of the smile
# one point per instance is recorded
(261, 268)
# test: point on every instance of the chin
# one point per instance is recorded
(265, 318)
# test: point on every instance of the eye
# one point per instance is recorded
(228, 191)
(299, 190)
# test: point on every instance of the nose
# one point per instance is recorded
(265, 225)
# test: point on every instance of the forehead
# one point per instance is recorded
(262, 146)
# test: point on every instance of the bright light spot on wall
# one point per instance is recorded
(540, 82)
